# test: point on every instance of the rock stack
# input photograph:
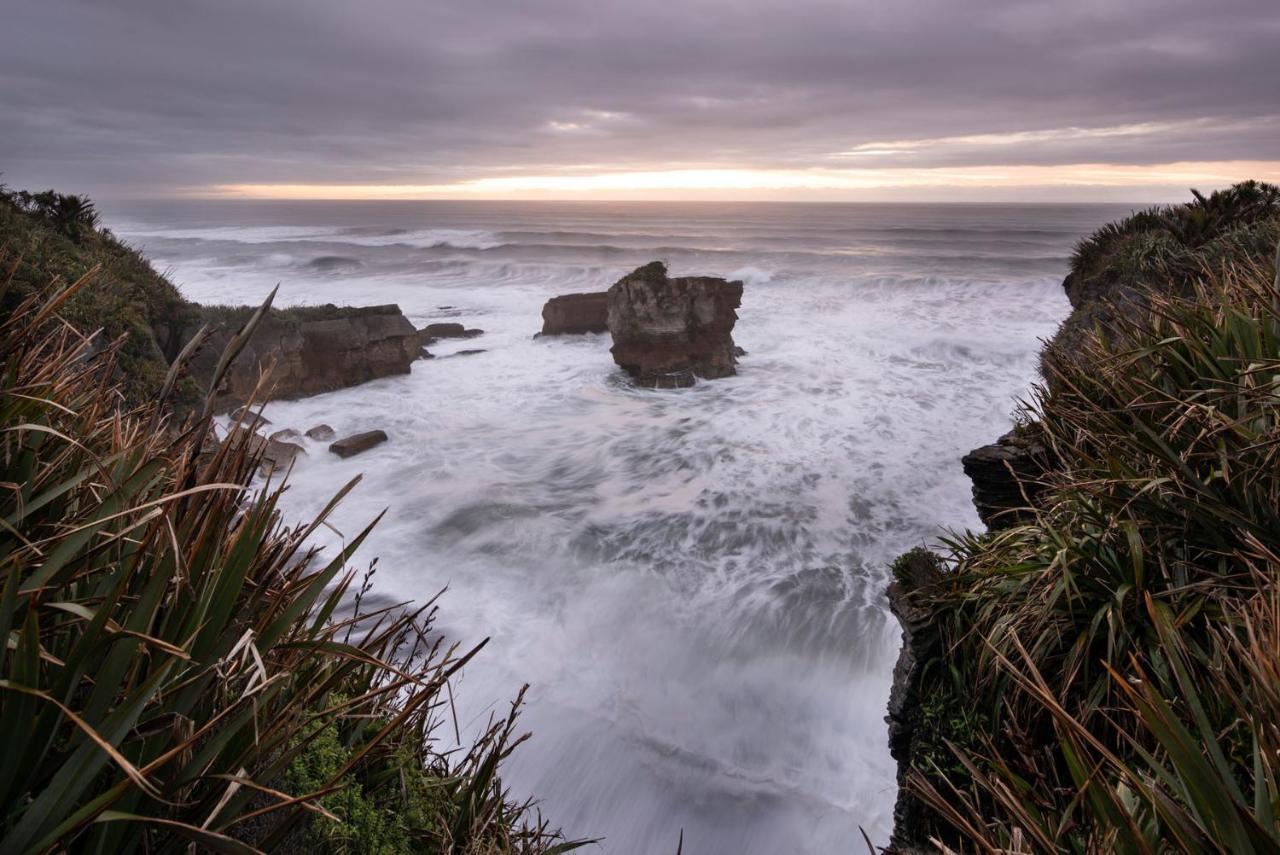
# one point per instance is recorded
(575, 314)
(668, 331)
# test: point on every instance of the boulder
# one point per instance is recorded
(249, 416)
(1006, 477)
(668, 331)
(279, 454)
(352, 445)
(305, 351)
(286, 435)
(320, 432)
(575, 314)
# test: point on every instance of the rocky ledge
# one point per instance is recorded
(668, 331)
(306, 351)
(575, 314)
(1006, 476)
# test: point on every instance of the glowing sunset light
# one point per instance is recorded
(706, 183)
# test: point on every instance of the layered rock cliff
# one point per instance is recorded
(668, 331)
(307, 350)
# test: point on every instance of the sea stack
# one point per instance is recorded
(668, 331)
(575, 314)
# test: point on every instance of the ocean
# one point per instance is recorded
(690, 581)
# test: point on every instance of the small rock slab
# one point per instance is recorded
(434, 332)
(353, 445)
(278, 455)
(321, 433)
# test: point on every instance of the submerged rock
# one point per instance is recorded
(352, 445)
(668, 331)
(1006, 477)
(434, 332)
(575, 314)
(320, 432)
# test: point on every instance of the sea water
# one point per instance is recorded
(690, 581)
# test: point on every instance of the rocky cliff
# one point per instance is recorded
(307, 350)
(1113, 274)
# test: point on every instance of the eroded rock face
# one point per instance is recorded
(915, 573)
(1005, 477)
(309, 350)
(575, 314)
(668, 331)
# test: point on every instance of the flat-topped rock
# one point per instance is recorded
(576, 314)
(306, 350)
(434, 332)
(668, 331)
(278, 454)
(356, 443)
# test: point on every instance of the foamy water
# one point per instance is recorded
(690, 580)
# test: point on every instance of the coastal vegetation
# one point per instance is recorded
(1104, 675)
(181, 668)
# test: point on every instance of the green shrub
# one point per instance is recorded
(176, 655)
(1123, 648)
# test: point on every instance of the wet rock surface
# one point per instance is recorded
(320, 433)
(356, 443)
(576, 314)
(668, 331)
(432, 333)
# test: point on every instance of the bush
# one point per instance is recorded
(1123, 648)
(177, 656)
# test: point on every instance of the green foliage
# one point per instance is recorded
(172, 648)
(50, 237)
(1123, 647)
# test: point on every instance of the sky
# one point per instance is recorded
(964, 100)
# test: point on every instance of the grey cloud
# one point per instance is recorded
(127, 96)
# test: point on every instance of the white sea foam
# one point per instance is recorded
(691, 580)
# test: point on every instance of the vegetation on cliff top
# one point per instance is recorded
(1111, 670)
(180, 668)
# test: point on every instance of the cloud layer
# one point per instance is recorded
(154, 96)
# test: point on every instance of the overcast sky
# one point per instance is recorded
(777, 98)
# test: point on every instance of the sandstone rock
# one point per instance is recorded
(320, 432)
(279, 454)
(308, 350)
(286, 435)
(574, 314)
(351, 445)
(1002, 473)
(668, 331)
